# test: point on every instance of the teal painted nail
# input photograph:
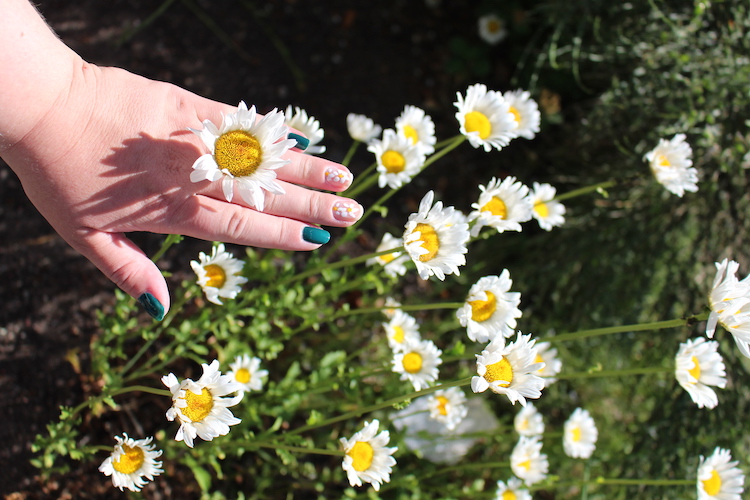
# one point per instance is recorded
(152, 306)
(316, 235)
(302, 142)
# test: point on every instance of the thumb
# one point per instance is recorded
(128, 268)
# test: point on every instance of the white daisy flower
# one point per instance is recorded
(246, 372)
(718, 478)
(367, 458)
(527, 460)
(392, 307)
(361, 128)
(580, 434)
(244, 154)
(308, 125)
(131, 461)
(525, 113)
(401, 330)
(728, 294)
(491, 308)
(218, 275)
(200, 407)
(509, 369)
(528, 421)
(393, 263)
(698, 366)
(492, 29)
(418, 363)
(547, 354)
(548, 212)
(671, 164)
(448, 406)
(738, 324)
(512, 490)
(502, 205)
(418, 127)
(485, 118)
(398, 159)
(436, 239)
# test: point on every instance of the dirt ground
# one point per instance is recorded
(331, 58)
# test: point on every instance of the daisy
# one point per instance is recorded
(367, 458)
(398, 159)
(132, 460)
(392, 307)
(401, 330)
(361, 128)
(418, 363)
(244, 154)
(491, 308)
(527, 460)
(547, 354)
(528, 421)
(512, 490)
(580, 435)
(727, 294)
(492, 29)
(485, 118)
(393, 263)
(509, 369)
(548, 212)
(698, 365)
(671, 164)
(218, 275)
(718, 478)
(418, 127)
(525, 113)
(448, 406)
(246, 372)
(308, 125)
(435, 239)
(200, 407)
(502, 205)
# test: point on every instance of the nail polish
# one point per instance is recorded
(338, 176)
(316, 235)
(302, 142)
(152, 306)
(347, 211)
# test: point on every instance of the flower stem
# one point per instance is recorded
(350, 153)
(365, 181)
(645, 482)
(123, 390)
(585, 190)
(656, 325)
(615, 373)
(170, 240)
(301, 449)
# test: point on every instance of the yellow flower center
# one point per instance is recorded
(198, 405)
(388, 257)
(393, 161)
(238, 152)
(496, 207)
(412, 362)
(695, 371)
(474, 121)
(712, 485)
(539, 359)
(130, 460)
(428, 237)
(524, 465)
(411, 133)
(493, 27)
(516, 114)
(499, 371)
(508, 495)
(575, 434)
(216, 275)
(662, 161)
(541, 209)
(242, 375)
(442, 401)
(398, 334)
(524, 424)
(361, 454)
(481, 310)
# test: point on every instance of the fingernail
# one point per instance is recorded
(152, 306)
(316, 235)
(338, 176)
(302, 142)
(347, 211)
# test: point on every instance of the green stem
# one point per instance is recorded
(644, 482)
(146, 22)
(365, 184)
(656, 325)
(585, 190)
(301, 449)
(350, 153)
(123, 390)
(170, 240)
(615, 373)
(412, 307)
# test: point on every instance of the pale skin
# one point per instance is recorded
(101, 152)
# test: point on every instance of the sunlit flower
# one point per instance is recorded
(492, 29)
(525, 113)
(718, 478)
(367, 457)
(436, 239)
(401, 330)
(509, 369)
(502, 205)
(485, 118)
(308, 125)
(244, 154)
(547, 354)
(580, 435)
(246, 372)
(361, 128)
(548, 212)
(512, 490)
(491, 308)
(698, 366)
(418, 127)
(131, 461)
(218, 275)
(393, 263)
(448, 406)
(200, 407)
(398, 159)
(418, 363)
(527, 460)
(671, 163)
(528, 421)
(727, 295)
